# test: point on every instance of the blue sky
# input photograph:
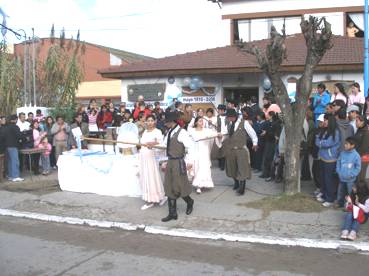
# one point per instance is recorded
(155, 28)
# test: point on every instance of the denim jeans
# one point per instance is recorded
(350, 223)
(45, 162)
(327, 179)
(344, 188)
(13, 162)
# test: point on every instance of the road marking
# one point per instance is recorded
(186, 233)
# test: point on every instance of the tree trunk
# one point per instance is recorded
(292, 163)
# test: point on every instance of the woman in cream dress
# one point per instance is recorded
(201, 171)
(150, 179)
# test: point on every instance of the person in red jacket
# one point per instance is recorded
(104, 118)
(141, 108)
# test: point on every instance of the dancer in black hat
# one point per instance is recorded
(176, 182)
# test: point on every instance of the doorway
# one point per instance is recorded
(241, 95)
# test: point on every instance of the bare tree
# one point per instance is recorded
(317, 33)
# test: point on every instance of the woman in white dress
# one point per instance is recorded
(150, 179)
(201, 171)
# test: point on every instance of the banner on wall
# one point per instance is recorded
(198, 99)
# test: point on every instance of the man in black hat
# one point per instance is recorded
(176, 182)
(237, 155)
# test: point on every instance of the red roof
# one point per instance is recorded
(345, 51)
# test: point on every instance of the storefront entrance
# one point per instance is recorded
(241, 95)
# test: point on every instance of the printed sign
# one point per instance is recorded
(198, 99)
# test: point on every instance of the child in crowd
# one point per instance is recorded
(348, 168)
(328, 142)
(357, 205)
(45, 156)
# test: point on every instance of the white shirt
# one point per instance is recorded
(23, 126)
(249, 129)
(353, 123)
(185, 139)
(223, 126)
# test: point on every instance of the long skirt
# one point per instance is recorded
(150, 180)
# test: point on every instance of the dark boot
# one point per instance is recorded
(236, 184)
(172, 205)
(241, 190)
(189, 202)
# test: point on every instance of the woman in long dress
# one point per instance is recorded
(201, 171)
(150, 179)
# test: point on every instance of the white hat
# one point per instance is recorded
(353, 108)
(321, 118)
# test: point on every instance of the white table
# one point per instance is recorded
(109, 174)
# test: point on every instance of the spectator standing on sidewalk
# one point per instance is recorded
(37, 137)
(356, 96)
(328, 143)
(78, 123)
(353, 111)
(339, 93)
(362, 138)
(45, 156)
(12, 141)
(348, 168)
(49, 122)
(60, 130)
(320, 101)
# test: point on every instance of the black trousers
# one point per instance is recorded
(258, 157)
(268, 158)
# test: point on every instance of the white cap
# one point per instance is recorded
(353, 108)
(321, 118)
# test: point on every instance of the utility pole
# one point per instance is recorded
(366, 48)
(34, 67)
(24, 67)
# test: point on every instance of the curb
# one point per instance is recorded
(196, 234)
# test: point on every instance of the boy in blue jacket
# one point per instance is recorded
(348, 168)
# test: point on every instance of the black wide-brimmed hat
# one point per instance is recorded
(231, 113)
(171, 116)
(222, 106)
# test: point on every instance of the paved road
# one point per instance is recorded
(38, 248)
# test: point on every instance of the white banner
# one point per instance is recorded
(198, 99)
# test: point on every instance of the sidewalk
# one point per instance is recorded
(216, 211)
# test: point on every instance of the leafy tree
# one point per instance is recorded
(59, 77)
(318, 34)
(11, 84)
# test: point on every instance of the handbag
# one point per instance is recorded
(357, 213)
(365, 158)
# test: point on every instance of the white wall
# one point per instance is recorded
(253, 6)
(322, 77)
(251, 80)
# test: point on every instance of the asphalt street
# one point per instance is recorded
(29, 247)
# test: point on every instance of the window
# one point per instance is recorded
(257, 29)
(355, 24)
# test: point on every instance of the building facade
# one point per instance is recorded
(94, 57)
(210, 77)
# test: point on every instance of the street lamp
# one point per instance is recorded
(24, 66)
(34, 39)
